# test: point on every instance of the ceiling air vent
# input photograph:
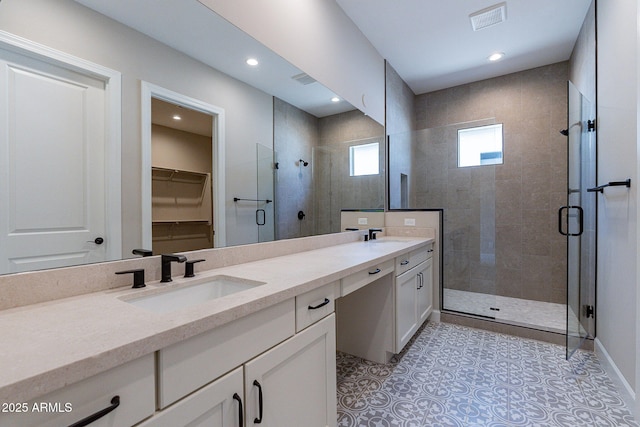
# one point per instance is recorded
(304, 78)
(488, 17)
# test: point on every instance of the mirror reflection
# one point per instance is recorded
(169, 204)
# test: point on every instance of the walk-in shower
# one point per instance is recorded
(501, 258)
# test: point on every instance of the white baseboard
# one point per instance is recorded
(624, 388)
(435, 316)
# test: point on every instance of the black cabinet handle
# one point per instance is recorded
(405, 262)
(376, 271)
(322, 304)
(115, 402)
(258, 419)
(240, 411)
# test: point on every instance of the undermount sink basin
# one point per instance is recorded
(206, 289)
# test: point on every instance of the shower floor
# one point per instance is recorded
(545, 316)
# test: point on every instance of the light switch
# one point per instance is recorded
(410, 221)
(362, 221)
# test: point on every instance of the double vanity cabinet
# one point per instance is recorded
(274, 366)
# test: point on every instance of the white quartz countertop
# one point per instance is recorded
(49, 345)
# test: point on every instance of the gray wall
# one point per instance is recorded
(295, 135)
(400, 121)
(525, 192)
(335, 189)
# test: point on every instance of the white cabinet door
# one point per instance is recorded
(425, 291)
(406, 312)
(219, 404)
(295, 381)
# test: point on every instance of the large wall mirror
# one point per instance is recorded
(282, 137)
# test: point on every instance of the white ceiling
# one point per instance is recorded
(430, 43)
(190, 27)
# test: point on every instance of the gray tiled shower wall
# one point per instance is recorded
(500, 222)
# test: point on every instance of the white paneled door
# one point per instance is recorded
(52, 165)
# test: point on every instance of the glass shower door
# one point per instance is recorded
(577, 221)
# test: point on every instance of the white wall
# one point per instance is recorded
(617, 97)
(69, 27)
(319, 38)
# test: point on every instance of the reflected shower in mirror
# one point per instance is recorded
(321, 190)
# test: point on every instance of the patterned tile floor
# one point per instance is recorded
(452, 375)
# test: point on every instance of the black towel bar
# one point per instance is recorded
(237, 199)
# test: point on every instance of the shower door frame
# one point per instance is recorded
(581, 175)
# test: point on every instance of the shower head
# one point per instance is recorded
(303, 163)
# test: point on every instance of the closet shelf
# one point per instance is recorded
(177, 175)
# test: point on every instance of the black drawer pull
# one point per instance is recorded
(115, 402)
(258, 419)
(376, 271)
(240, 411)
(405, 262)
(322, 304)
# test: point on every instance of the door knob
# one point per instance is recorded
(97, 241)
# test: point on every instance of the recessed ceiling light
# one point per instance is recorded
(335, 99)
(176, 117)
(252, 61)
(496, 56)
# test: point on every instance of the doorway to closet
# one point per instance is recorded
(181, 183)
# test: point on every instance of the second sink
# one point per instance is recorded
(195, 293)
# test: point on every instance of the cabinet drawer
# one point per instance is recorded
(314, 305)
(364, 277)
(189, 365)
(133, 382)
(413, 258)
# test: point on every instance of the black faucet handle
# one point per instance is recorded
(138, 277)
(188, 267)
(142, 252)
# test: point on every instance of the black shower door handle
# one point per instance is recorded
(264, 217)
(580, 222)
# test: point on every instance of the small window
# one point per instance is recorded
(364, 159)
(480, 146)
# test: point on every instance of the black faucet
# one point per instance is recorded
(372, 233)
(167, 259)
